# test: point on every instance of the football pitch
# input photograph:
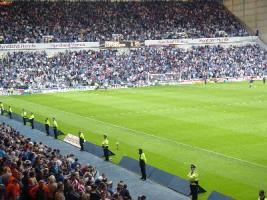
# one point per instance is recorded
(221, 128)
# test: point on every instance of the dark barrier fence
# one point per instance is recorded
(133, 165)
(218, 196)
(175, 183)
(95, 149)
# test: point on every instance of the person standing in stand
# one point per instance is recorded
(142, 163)
(193, 179)
(47, 125)
(55, 127)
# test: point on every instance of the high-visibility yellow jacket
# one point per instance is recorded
(55, 124)
(31, 117)
(47, 122)
(105, 143)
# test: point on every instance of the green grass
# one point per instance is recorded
(219, 127)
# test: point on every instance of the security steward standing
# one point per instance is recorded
(142, 164)
(10, 112)
(81, 138)
(193, 179)
(262, 195)
(24, 116)
(105, 147)
(55, 127)
(2, 108)
(47, 125)
(31, 120)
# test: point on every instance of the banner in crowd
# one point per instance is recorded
(45, 46)
(202, 41)
(122, 44)
(8, 92)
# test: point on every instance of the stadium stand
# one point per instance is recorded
(37, 70)
(32, 170)
(34, 22)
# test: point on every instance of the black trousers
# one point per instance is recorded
(10, 115)
(194, 191)
(143, 170)
(47, 129)
(24, 120)
(55, 132)
(81, 144)
(105, 149)
(32, 123)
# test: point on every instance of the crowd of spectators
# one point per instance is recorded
(57, 21)
(37, 70)
(33, 171)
